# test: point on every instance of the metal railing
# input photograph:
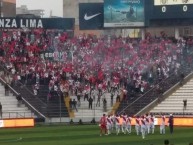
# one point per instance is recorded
(14, 114)
(153, 94)
(26, 102)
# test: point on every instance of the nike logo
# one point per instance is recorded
(90, 17)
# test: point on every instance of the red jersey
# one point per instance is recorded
(103, 121)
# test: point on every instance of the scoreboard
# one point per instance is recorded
(167, 9)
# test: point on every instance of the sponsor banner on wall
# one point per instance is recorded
(54, 56)
(91, 16)
(33, 23)
(12, 123)
(1, 123)
(124, 13)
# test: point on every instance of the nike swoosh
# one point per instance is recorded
(90, 17)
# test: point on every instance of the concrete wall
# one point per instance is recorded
(170, 31)
(9, 9)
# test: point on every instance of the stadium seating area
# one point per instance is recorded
(47, 67)
(11, 107)
(175, 105)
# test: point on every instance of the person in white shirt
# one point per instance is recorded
(137, 125)
(152, 126)
(113, 122)
(117, 124)
(123, 127)
(143, 126)
(128, 124)
(162, 125)
(109, 124)
(147, 123)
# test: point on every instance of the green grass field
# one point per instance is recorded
(87, 135)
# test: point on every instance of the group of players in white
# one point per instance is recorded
(143, 125)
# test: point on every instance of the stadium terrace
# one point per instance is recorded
(22, 23)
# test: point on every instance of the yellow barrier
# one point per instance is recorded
(116, 105)
(12, 123)
(71, 112)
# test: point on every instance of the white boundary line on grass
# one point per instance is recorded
(12, 140)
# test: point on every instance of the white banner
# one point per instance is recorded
(172, 2)
(130, 24)
(1, 123)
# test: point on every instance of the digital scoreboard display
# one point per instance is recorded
(167, 9)
(172, 2)
(124, 13)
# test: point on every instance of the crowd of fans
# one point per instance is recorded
(88, 66)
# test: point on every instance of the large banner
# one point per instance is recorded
(167, 9)
(91, 16)
(124, 13)
(54, 56)
(33, 23)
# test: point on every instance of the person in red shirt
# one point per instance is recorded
(103, 125)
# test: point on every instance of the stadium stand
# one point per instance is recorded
(48, 68)
(137, 102)
(174, 103)
(12, 107)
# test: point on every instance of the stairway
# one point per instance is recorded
(86, 114)
(10, 106)
(174, 103)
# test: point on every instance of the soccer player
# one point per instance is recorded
(143, 126)
(147, 123)
(137, 125)
(128, 124)
(109, 124)
(162, 125)
(103, 123)
(113, 126)
(123, 127)
(117, 124)
(152, 126)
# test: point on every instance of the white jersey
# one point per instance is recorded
(143, 121)
(163, 118)
(152, 120)
(117, 120)
(147, 120)
(124, 118)
(129, 119)
(113, 118)
(109, 121)
(137, 122)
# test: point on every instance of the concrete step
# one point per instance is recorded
(17, 115)
(13, 105)
(179, 99)
(171, 111)
(174, 105)
(4, 102)
(14, 109)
